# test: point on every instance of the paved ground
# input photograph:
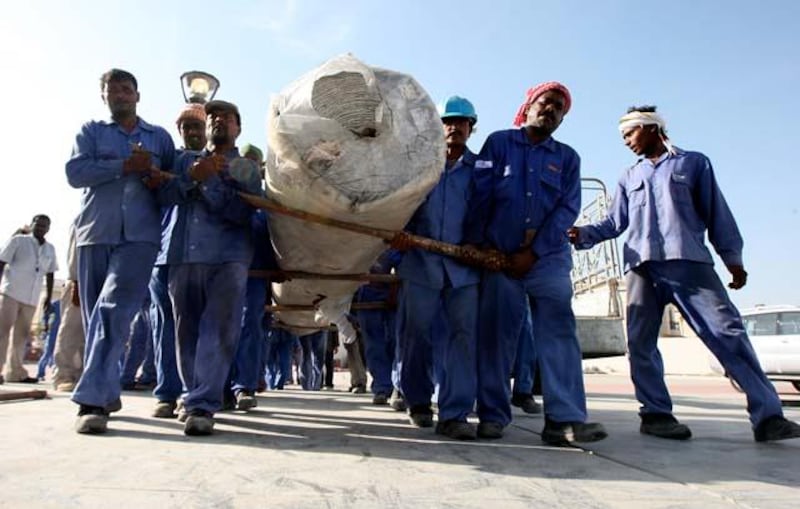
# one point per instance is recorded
(334, 449)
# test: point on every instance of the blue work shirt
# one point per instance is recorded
(209, 223)
(374, 292)
(263, 253)
(526, 195)
(441, 217)
(116, 208)
(667, 207)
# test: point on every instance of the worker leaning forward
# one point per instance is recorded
(667, 201)
(431, 282)
(208, 249)
(528, 194)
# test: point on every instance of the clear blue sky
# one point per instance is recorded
(725, 74)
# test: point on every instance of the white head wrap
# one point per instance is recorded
(642, 118)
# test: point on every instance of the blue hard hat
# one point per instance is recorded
(457, 106)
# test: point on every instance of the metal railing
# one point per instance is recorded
(600, 265)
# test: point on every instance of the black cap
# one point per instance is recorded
(224, 106)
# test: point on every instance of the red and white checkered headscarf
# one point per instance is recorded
(535, 92)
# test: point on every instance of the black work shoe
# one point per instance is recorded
(92, 420)
(397, 401)
(246, 400)
(457, 430)
(490, 430)
(527, 403)
(776, 428)
(199, 423)
(664, 426)
(567, 433)
(421, 416)
(380, 399)
(165, 410)
(228, 401)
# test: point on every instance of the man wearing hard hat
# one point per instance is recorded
(431, 282)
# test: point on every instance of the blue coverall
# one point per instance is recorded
(432, 282)
(246, 370)
(527, 196)
(667, 206)
(209, 250)
(117, 234)
(379, 327)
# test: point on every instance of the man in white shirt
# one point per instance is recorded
(24, 259)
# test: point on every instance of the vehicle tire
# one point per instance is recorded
(735, 385)
(796, 385)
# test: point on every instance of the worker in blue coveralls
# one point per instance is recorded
(247, 368)
(313, 348)
(209, 250)
(118, 236)
(525, 370)
(139, 353)
(379, 331)
(667, 201)
(278, 354)
(527, 195)
(430, 280)
(50, 321)
(191, 124)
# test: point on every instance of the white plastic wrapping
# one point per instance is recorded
(354, 143)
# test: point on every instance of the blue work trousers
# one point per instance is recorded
(379, 330)
(208, 300)
(46, 360)
(246, 370)
(525, 362)
(112, 283)
(279, 358)
(503, 301)
(313, 346)
(168, 382)
(696, 290)
(140, 350)
(420, 307)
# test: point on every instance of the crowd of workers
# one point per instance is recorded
(164, 237)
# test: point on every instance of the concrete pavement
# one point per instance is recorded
(334, 449)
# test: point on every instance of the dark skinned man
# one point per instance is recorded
(667, 201)
(117, 232)
(528, 194)
(24, 260)
(438, 288)
(209, 250)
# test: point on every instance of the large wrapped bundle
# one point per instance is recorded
(353, 143)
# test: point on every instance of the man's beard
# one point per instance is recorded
(220, 138)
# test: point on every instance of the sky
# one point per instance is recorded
(724, 73)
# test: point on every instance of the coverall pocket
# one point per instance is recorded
(636, 194)
(680, 188)
(551, 189)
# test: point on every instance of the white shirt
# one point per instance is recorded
(27, 262)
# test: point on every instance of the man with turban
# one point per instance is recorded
(528, 193)
(667, 201)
